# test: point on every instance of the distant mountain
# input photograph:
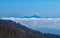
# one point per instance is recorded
(34, 16)
(10, 29)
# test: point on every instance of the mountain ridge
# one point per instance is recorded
(11, 29)
(34, 16)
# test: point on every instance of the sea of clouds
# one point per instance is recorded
(51, 23)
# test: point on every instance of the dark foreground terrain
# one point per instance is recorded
(10, 29)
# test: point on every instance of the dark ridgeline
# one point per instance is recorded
(34, 16)
(10, 29)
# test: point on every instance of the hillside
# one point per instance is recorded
(11, 29)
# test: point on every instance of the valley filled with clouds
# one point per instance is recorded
(41, 24)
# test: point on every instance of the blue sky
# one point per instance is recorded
(19, 8)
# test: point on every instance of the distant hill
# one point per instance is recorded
(10, 29)
(34, 16)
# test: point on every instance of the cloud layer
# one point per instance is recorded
(51, 23)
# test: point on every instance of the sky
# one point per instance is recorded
(20, 8)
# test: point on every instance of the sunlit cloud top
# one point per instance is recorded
(53, 23)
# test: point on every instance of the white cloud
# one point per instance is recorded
(53, 23)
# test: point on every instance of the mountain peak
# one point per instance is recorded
(34, 16)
